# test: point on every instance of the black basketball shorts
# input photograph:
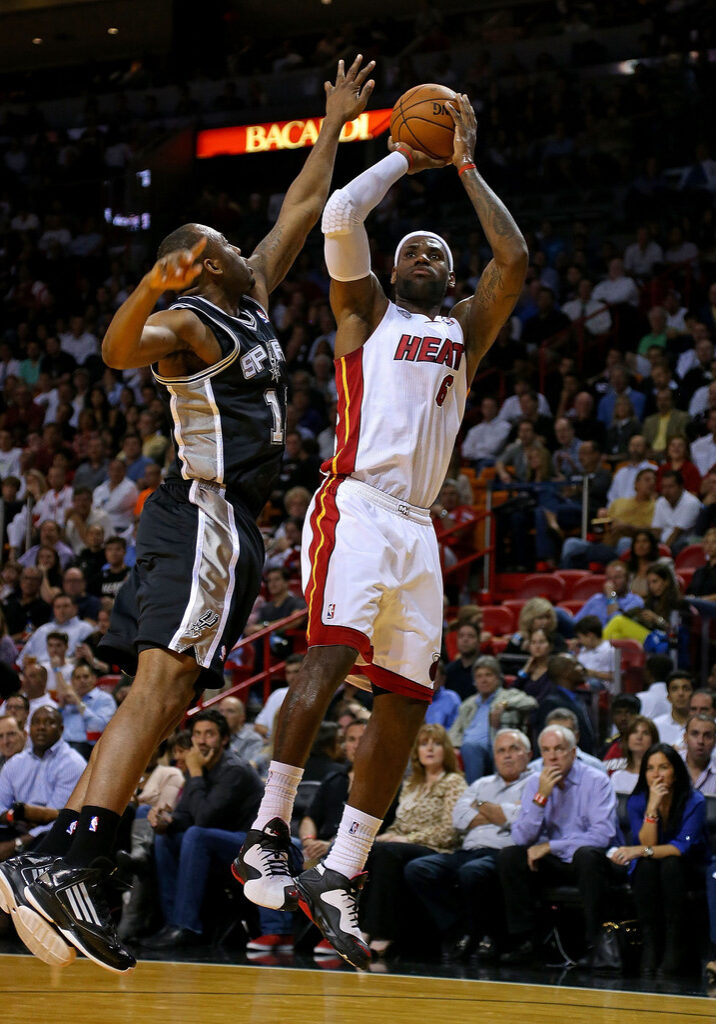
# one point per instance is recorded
(197, 575)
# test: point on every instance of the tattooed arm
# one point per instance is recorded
(302, 205)
(482, 316)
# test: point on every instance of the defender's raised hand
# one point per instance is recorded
(347, 98)
(177, 270)
(465, 130)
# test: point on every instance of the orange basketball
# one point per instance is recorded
(421, 120)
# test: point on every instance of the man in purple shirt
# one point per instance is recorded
(615, 598)
(566, 824)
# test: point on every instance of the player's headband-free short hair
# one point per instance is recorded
(424, 234)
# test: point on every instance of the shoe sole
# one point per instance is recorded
(268, 949)
(72, 938)
(41, 938)
(290, 902)
(350, 956)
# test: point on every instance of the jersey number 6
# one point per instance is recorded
(445, 386)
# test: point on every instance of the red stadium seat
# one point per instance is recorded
(571, 606)
(515, 605)
(544, 585)
(499, 644)
(664, 551)
(497, 619)
(633, 661)
(451, 644)
(571, 576)
(691, 557)
(587, 587)
(686, 575)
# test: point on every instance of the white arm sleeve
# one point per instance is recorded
(346, 248)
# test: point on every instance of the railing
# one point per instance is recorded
(484, 552)
(268, 671)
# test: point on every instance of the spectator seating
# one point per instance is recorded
(497, 619)
(690, 557)
(543, 585)
(586, 588)
(633, 659)
(571, 606)
(686, 575)
(515, 605)
(571, 577)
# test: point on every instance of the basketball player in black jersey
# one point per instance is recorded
(199, 552)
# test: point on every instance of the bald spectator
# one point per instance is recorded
(245, 742)
(34, 686)
(81, 516)
(117, 497)
(40, 780)
(65, 620)
(75, 585)
(617, 288)
(12, 738)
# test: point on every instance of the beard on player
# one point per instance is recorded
(422, 291)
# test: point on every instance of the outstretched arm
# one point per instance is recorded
(274, 256)
(501, 282)
(137, 337)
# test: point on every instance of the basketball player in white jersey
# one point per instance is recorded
(371, 569)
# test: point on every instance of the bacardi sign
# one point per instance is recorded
(272, 135)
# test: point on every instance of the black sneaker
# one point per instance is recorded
(331, 901)
(266, 866)
(73, 900)
(40, 937)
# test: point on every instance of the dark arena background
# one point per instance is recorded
(583, 484)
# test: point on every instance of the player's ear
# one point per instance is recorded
(451, 280)
(393, 275)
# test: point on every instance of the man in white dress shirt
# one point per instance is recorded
(641, 256)
(625, 478)
(675, 512)
(703, 451)
(617, 287)
(679, 689)
(486, 440)
(64, 620)
(117, 496)
(597, 318)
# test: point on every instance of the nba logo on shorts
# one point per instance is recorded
(354, 828)
(94, 824)
(331, 611)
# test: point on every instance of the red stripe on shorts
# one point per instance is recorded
(324, 521)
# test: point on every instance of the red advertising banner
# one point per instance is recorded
(273, 135)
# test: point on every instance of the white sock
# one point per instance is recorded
(353, 842)
(280, 793)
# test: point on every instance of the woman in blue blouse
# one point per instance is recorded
(668, 817)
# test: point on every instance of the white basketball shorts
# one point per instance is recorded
(372, 581)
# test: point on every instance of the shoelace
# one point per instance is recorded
(275, 860)
(351, 905)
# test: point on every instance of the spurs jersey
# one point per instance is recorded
(229, 419)
(401, 399)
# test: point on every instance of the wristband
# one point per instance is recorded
(540, 799)
(465, 167)
(648, 820)
(307, 837)
(10, 816)
(404, 151)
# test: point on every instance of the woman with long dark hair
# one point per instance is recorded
(644, 552)
(668, 819)
(662, 599)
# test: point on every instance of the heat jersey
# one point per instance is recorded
(229, 420)
(401, 399)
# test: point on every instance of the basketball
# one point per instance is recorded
(421, 120)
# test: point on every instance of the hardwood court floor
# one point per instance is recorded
(194, 993)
